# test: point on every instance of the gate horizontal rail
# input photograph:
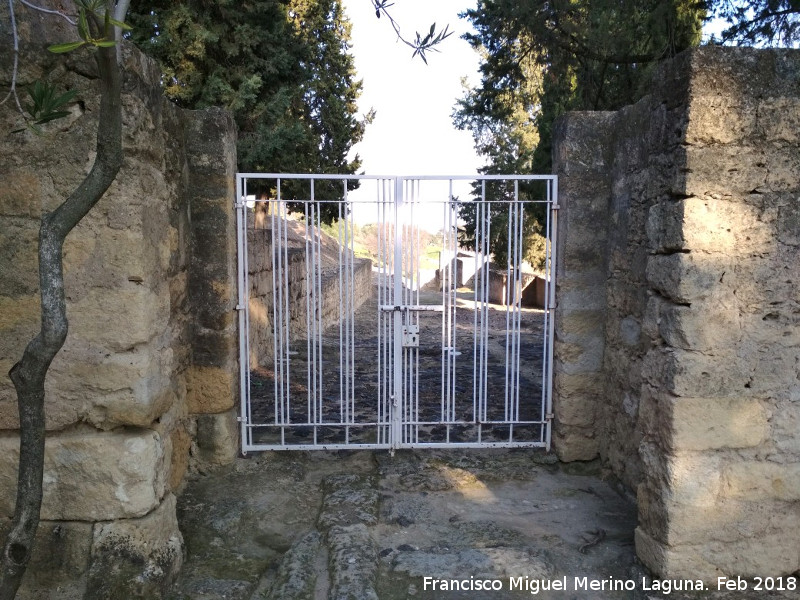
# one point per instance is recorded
(402, 330)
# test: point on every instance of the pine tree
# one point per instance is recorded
(282, 67)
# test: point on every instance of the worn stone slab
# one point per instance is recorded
(297, 573)
(349, 500)
(353, 563)
(92, 476)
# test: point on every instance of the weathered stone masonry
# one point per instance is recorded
(677, 338)
(146, 381)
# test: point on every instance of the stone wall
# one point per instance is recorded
(677, 344)
(150, 356)
(294, 291)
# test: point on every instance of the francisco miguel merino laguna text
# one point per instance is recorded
(534, 586)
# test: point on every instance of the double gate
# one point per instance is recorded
(400, 314)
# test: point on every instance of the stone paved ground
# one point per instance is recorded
(361, 525)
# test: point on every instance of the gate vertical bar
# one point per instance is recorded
(244, 346)
(550, 309)
(398, 400)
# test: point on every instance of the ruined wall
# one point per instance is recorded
(293, 289)
(692, 364)
(151, 315)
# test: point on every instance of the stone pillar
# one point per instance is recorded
(721, 491)
(582, 162)
(212, 378)
(677, 309)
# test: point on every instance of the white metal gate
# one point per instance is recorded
(393, 326)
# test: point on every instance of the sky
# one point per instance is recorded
(412, 133)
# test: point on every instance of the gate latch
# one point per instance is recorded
(411, 336)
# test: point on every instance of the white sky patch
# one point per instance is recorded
(413, 131)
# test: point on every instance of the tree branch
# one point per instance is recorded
(15, 68)
(48, 11)
(28, 375)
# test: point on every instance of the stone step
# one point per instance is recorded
(298, 572)
(349, 509)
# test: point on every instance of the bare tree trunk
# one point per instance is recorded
(28, 375)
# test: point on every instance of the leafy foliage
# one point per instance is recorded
(282, 66)
(541, 59)
(91, 13)
(46, 104)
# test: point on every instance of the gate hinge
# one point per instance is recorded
(549, 416)
(555, 207)
(240, 420)
(240, 307)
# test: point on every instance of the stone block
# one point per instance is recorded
(579, 356)
(181, 444)
(120, 319)
(685, 278)
(87, 383)
(211, 146)
(210, 389)
(576, 397)
(783, 170)
(19, 269)
(707, 225)
(721, 119)
(216, 348)
(692, 374)
(723, 170)
(703, 327)
(217, 438)
(786, 424)
(772, 554)
(714, 423)
(760, 480)
(581, 323)
(779, 119)
(582, 143)
(789, 224)
(20, 311)
(694, 478)
(730, 521)
(678, 563)
(21, 195)
(575, 443)
(580, 290)
(136, 558)
(92, 476)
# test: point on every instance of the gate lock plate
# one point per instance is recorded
(411, 336)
